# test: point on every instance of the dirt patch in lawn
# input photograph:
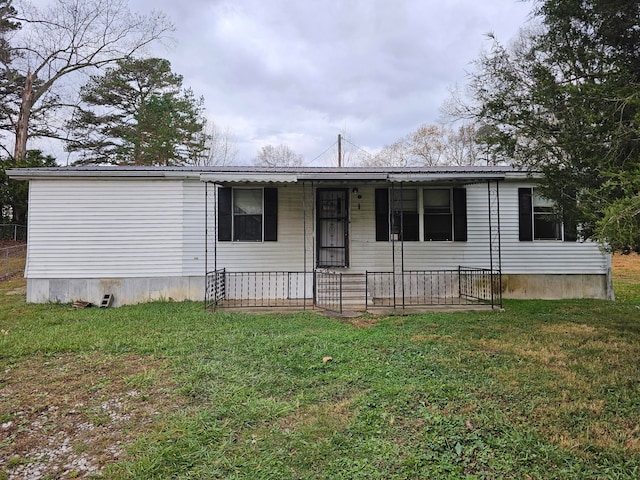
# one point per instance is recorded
(69, 416)
(626, 267)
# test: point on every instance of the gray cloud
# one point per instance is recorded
(297, 72)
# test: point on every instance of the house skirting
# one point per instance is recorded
(125, 291)
(128, 291)
(556, 286)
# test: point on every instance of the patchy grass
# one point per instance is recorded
(546, 389)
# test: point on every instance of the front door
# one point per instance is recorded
(332, 238)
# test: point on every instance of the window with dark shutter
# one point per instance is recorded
(404, 217)
(270, 214)
(224, 214)
(525, 217)
(247, 214)
(382, 214)
(438, 217)
(459, 214)
(538, 219)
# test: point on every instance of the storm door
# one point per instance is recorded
(332, 236)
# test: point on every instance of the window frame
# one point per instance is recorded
(402, 223)
(457, 212)
(448, 214)
(529, 217)
(226, 219)
(236, 216)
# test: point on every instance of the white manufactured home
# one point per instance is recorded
(347, 238)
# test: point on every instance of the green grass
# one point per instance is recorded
(546, 389)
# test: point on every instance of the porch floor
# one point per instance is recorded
(355, 310)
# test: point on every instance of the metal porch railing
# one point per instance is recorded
(462, 286)
(259, 289)
(337, 291)
(215, 288)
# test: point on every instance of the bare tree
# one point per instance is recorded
(432, 145)
(70, 36)
(280, 156)
(220, 146)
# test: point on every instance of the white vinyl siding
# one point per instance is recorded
(543, 257)
(285, 254)
(84, 228)
(105, 228)
(517, 257)
(193, 208)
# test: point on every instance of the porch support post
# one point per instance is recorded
(304, 244)
(215, 235)
(499, 229)
(393, 242)
(206, 244)
(490, 228)
(313, 240)
(402, 240)
(495, 244)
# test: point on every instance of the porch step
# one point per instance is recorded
(353, 287)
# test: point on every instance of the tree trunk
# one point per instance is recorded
(22, 127)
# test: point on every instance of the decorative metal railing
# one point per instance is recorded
(461, 286)
(339, 291)
(215, 288)
(480, 284)
(260, 289)
(328, 291)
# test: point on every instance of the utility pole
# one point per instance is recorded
(339, 151)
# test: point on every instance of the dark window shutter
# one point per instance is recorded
(224, 214)
(459, 214)
(570, 231)
(410, 227)
(525, 214)
(270, 214)
(382, 214)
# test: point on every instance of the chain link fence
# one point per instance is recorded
(12, 260)
(10, 232)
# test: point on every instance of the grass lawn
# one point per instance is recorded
(546, 389)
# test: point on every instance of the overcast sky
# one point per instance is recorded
(298, 72)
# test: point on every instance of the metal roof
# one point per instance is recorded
(245, 174)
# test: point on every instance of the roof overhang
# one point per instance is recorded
(248, 177)
(445, 177)
(240, 175)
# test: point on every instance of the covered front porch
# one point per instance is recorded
(373, 292)
(345, 241)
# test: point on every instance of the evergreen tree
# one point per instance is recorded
(138, 114)
(565, 100)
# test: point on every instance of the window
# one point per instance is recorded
(247, 214)
(438, 215)
(538, 219)
(397, 216)
(443, 212)
(404, 215)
